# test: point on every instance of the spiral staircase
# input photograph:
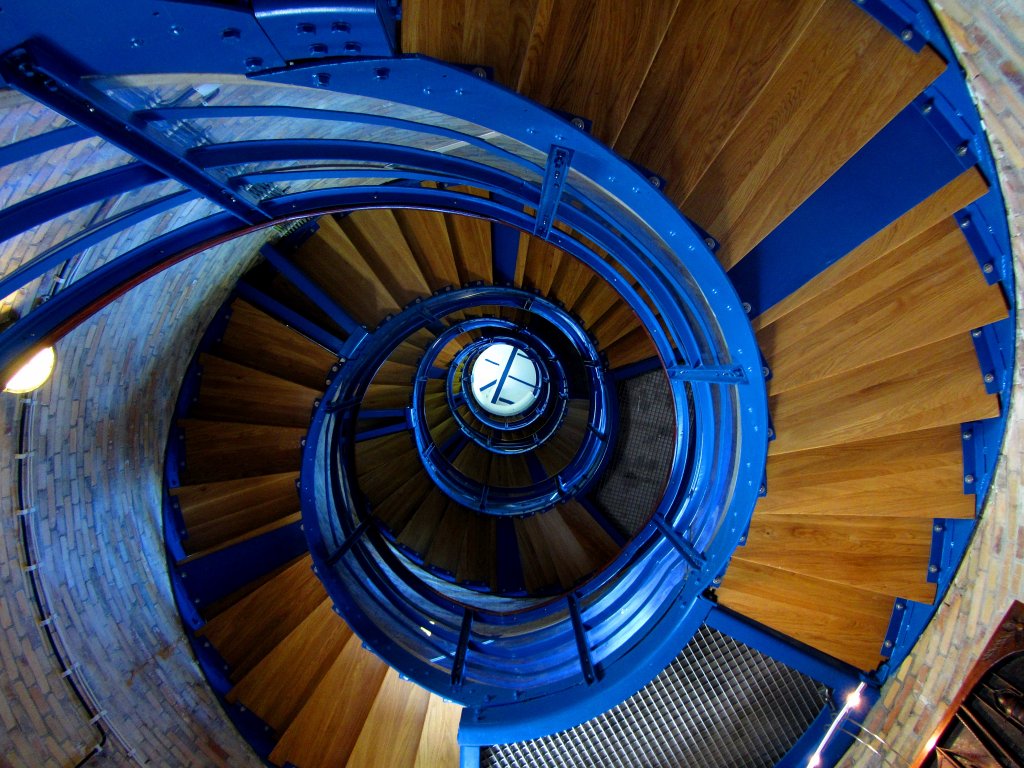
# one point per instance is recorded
(437, 540)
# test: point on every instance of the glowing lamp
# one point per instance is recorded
(33, 374)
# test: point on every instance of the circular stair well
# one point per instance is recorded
(598, 364)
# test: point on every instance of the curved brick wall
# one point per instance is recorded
(100, 428)
(989, 36)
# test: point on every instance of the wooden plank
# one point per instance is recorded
(474, 462)
(397, 509)
(330, 258)
(417, 534)
(382, 243)
(927, 290)
(471, 242)
(615, 324)
(221, 450)
(683, 115)
(439, 743)
(844, 622)
(632, 348)
(589, 533)
(232, 392)
(539, 571)
(381, 482)
(478, 559)
(571, 560)
(248, 630)
(590, 57)
(449, 540)
(259, 341)
(392, 372)
(326, 730)
(371, 454)
(917, 474)
(390, 737)
(276, 688)
(888, 555)
(218, 511)
(936, 385)
(823, 103)
(427, 235)
(941, 205)
(596, 300)
(542, 263)
(470, 32)
(245, 535)
(387, 396)
(571, 280)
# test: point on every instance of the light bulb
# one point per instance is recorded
(33, 374)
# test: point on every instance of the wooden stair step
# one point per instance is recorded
(256, 339)
(588, 532)
(371, 454)
(571, 560)
(617, 323)
(889, 556)
(538, 561)
(426, 234)
(474, 462)
(421, 528)
(682, 115)
(590, 58)
(939, 206)
(477, 560)
(823, 103)
(936, 385)
(248, 630)
(280, 289)
(379, 238)
(232, 392)
(276, 688)
(379, 483)
(390, 737)
(927, 290)
(224, 450)
(217, 511)
(449, 538)
(339, 268)
(470, 32)
(915, 474)
(327, 728)
(841, 621)
(395, 374)
(439, 743)
(635, 347)
(387, 396)
(471, 243)
(397, 509)
(251, 533)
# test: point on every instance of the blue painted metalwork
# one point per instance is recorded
(504, 253)
(901, 166)
(582, 647)
(358, 28)
(311, 289)
(44, 142)
(60, 201)
(555, 173)
(51, 80)
(898, 17)
(289, 317)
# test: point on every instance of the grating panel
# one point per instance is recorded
(631, 489)
(719, 704)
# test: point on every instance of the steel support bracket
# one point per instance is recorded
(314, 31)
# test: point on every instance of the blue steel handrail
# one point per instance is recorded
(543, 493)
(685, 302)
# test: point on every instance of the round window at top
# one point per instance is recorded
(504, 380)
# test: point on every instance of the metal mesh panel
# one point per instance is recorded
(719, 704)
(632, 488)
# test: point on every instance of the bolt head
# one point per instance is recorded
(231, 35)
(253, 63)
(340, 27)
(577, 122)
(305, 28)
(968, 435)
(961, 151)
(989, 378)
(969, 479)
(317, 49)
(480, 72)
(933, 569)
(710, 242)
(321, 79)
(907, 35)
(746, 307)
(888, 643)
(989, 268)
(965, 223)
(381, 73)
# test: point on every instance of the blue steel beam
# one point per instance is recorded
(52, 80)
(37, 145)
(555, 174)
(60, 201)
(88, 237)
(290, 317)
(311, 289)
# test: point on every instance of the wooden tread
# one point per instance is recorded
(232, 392)
(221, 450)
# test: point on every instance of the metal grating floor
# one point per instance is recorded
(719, 704)
(642, 458)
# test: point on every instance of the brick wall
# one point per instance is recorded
(989, 35)
(99, 430)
